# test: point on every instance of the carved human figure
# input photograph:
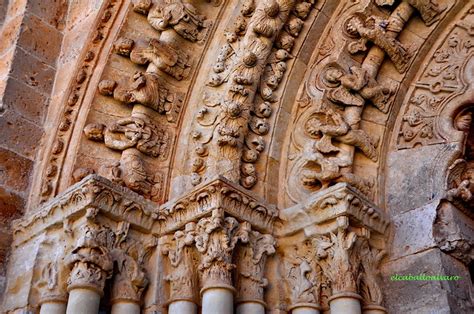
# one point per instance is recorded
(374, 29)
(329, 124)
(461, 181)
(356, 87)
(159, 56)
(179, 15)
(143, 88)
(430, 10)
(136, 177)
(134, 132)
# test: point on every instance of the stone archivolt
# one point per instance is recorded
(123, 238)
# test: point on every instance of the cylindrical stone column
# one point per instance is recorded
(125, 307)
(305, 308)
(83, 301)
(251, 308)
(345, 303)
(53, 307)
(373, 309)
(217, 301)
(182, 307)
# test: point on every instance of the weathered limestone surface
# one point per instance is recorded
(248, 156)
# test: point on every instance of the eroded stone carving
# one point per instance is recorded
(134, 132)
(373, 29)
(157, 54)
(302, 275)
(250, 259)
(146, 89)
(90, 260)
(179, 15)
(183, 275)
(337, 259)
(215, 239)
(370, 259)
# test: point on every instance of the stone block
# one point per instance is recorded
(416, 175)
(11, 205)
(413, 231)
(52, 12)
(19, 135)
(9, 34)
(79, 10)
(425, 297)
(32, 72)
(25, 100)
(40, 39)
(14, 170)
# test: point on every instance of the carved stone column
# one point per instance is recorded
(215, 239)
(251, 283)
(183, 275)
(91, 265)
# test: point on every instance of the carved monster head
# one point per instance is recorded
(142, 6)
(95, 132)
(124, 46)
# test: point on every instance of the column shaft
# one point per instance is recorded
(182, 307)
(125, 308)
(345, 305)
(304, 310)
(53, 308)
(217, 301)
(83, 301)
(250, 308)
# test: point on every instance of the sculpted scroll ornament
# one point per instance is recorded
(251, 258)
(442, 78)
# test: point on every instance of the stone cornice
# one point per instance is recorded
(114, 201)
(319, 212)
(121, 204)
(214, 194)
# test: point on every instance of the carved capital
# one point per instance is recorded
(90, 260)
(53, 282)
(302, 276)
(182, 276)
(337, 259)
(216, 238)
(370, 258)
(251, 258)
(129, 280)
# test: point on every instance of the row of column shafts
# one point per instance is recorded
(214, 301)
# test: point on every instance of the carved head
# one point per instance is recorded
(333, 75)
(463, 121)
(124, 46)
(107, 87)
(250, 59)
(271, 8)
(142, 6)
(95, 132)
